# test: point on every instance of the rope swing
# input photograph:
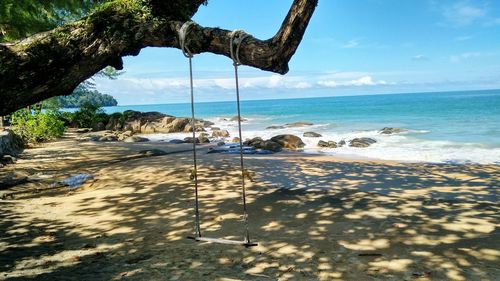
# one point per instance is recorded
(194, 175)
(236, 38)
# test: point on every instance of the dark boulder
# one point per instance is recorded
(269, 145)
(259, 143)
(275, 127)
(190, 140)
(178, 125)
(312, 135)
(220, 134)
(289, 141)
(327, 144)
(10, 143)
(203, 138)
(107, 138)
(208, 123)
(290, 125)
(235, 118)
(175, 141)
(253, 141)
(298, 124)
(361, 142)
(152, 152)
(389, 131)
(189, 128)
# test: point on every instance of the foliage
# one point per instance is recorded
(120, 117)
(20, 18)
(89, 116)
(85, 92)
(37, 126)
(80, 96)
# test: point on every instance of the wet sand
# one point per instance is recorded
(314, 217)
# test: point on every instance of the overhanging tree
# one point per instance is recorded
(53, 63)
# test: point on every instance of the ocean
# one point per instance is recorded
(444, 127)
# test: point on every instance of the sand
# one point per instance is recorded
(314, 217)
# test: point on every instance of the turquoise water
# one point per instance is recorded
(449, 126)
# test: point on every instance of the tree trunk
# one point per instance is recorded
(53, 63)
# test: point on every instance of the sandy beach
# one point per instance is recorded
(314, 217)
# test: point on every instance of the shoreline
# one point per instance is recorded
(314, 217)
(332, 153)
(436, 130)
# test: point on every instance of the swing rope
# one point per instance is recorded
(236, 37)
(183, 32)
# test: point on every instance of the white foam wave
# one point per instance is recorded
(398, 147)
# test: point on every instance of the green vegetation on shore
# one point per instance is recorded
(34, 126)
(82, 95)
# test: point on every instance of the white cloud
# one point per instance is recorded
(464, 56)
(351, 44)
(342, 75)
(151, 90)
(262, 82)
(420, 58)
(361, 81)
(365, 81)
(463, 13)
(328, 83)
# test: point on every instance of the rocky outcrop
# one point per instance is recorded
(327, 144)
(270, 145)
(175, 141)
(274, 127)
(203, 138)
(252, 142)
(390, 131)
(276, 143)
(235, 118)
(153, 122)
(111, 136)
(289, 141)
(190, 140)
(152, 152)
(124, 135)
(298, 124)
(207, 124)
(361, 142)
(10, 143)
(259, 143)
(290, 125)
(189, 127)
(176, 125)
(220, 134)
(312, 135)
(108, 138)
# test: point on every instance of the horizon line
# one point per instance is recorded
(315, 97)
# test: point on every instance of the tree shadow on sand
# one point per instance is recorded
(314, 219)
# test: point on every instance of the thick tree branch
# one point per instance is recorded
(55, 62)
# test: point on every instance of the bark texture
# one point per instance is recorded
(53, 63)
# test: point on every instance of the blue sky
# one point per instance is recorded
(350, 48)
